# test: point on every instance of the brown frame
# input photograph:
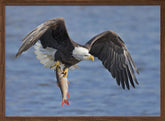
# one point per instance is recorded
(79, 2)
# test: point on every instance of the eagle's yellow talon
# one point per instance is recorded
(65, 72)
(57, 64)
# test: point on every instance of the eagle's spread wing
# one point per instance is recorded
(111, 50)
(51, 33)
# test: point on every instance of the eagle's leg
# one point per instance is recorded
(57, 64)
(65, 72)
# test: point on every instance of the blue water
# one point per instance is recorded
(31, 89)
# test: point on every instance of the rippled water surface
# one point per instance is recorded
(31, 89)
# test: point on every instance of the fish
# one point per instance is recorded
(62, 83)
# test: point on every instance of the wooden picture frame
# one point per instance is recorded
(3, 3)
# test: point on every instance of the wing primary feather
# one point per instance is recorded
(132, 62)
(120, 78)
(130, 77)
(111, 69)
(126, 79)
(117, 77)
(131, 70)
(122, 81)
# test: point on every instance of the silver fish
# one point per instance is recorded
(62, 83)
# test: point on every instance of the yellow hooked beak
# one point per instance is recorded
(91, 58)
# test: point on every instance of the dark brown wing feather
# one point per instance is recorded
(51, 33)
(111, 50)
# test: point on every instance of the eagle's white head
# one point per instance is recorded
(81, 53)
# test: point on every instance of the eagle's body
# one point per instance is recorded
(56, 46)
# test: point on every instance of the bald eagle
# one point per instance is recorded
(57, 49)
